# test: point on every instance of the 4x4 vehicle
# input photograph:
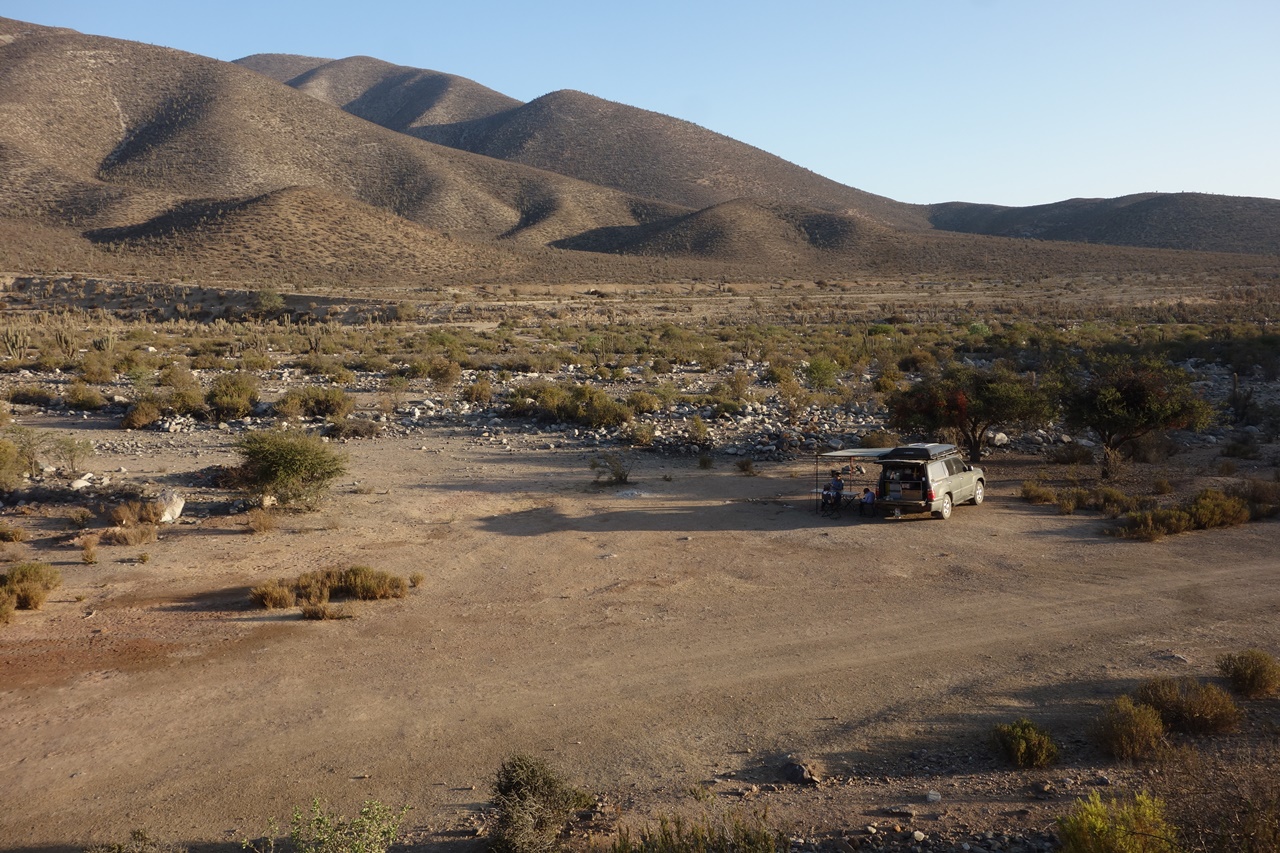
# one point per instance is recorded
(927, 478)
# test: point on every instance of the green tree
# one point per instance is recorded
(1124, 399)
(970, 402)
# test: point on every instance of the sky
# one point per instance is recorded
(1012, 102)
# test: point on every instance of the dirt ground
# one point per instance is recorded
(669, 644)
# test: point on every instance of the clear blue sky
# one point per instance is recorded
(1004, 101)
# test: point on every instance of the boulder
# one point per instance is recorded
(170, 504)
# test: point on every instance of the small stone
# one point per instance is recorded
(917, 836)
(933, 797)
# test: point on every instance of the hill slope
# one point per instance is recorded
(1209, 223)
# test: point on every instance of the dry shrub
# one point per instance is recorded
(82, 397)
(262, 520)
(1128, 731)
(1226, 803)
(879, 438)
(274, 595)
(532, 802)
(8, 533)
(1212, 508)
(1262, 496)
(324, 612)
(142, 534)
(1025, 744)
(1070, 454)
(1069, 500)
(416, 579)
(1252, 673)
(31, 582)
(140, 415)
(139, 842)
(369, 584)
(1152, 525)
(353, 428)
(8, 604)
(1038, 493)
(1186, 705)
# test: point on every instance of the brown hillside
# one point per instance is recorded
(394, 96)
(1210, 223)
(281, 66)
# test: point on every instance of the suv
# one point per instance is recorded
(927, 478)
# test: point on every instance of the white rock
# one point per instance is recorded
(170, 504)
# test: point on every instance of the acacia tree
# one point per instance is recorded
(970, 402)
(1124, 399)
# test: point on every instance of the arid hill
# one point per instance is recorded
(1206, 223)
(119, 157)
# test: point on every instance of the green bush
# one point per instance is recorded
(315, 402)
(1128, 731)
(1038, 493)
(33, 395)
(1117, 826)
(880, 438)
(12, 466)
(374, 830)
(1262, 496)
(232, 395)
(1252, 673)
(1153, 524)
(1186, 705)
(1212, 508)
(532, 803)
(1025, 744)
(294, 469)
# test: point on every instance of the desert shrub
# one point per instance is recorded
(84, 398)
(416, 579)
(699, 433)
(131, 513)
(141, 534)
(185, 401)
(747, 466)
(479, 393)
(1070, 454)
(9, 533)
(292, 468)
(1151, 448)
(1117, 826)
(1261, 496)
(1038, 493)
(443, 372)
(274, 595)
(315, 402)
(8, 604)
(1127, 730)
(374, 830)
(177, 376)
(1025, 744)
(1227, 803)
(139, 842)
(33, 395)
(97, 367)
(70, 453)
(42, 575)
(706, 461)
(1212, 508)
(1252, 673)
(1069, 500)
(12, 466)
(675, 835)
(1242, 448)
(79, 517)
(532, 802)
(880, 438)
(643, 403)
(232, 395)
(612, 467)
(368, 584)
(353, 428)
(261, 520)
(1186, 705)
(1153, 524)
(641, 434)
(1162, 486)
(140, 415)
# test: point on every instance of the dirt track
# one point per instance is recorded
(645, 638)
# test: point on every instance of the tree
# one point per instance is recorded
(1124, 399)
(970, 402)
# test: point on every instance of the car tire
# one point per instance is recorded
(945, 512)
(978, 493)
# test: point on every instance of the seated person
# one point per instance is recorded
(867, 503)
(833, 492)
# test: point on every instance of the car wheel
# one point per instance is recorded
(945, 512)
(977, 493)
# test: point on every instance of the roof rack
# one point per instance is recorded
(919, 452)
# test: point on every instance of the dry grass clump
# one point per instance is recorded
(8, 604)
(1186, 705)
(324, 612)
(261, 520)
(1128, 731)
(30, 584)
(275, 595)
(1252, 673)
(314, 589)
(675, 835)
(1229, 801)
(9, 533)
(1025, 744)
(139, 842)
(1038, 493)
(140, 415)
(142, 534)
(133, 513)
(1207, 510)
(353, 428)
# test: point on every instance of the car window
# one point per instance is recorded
(954, 465)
